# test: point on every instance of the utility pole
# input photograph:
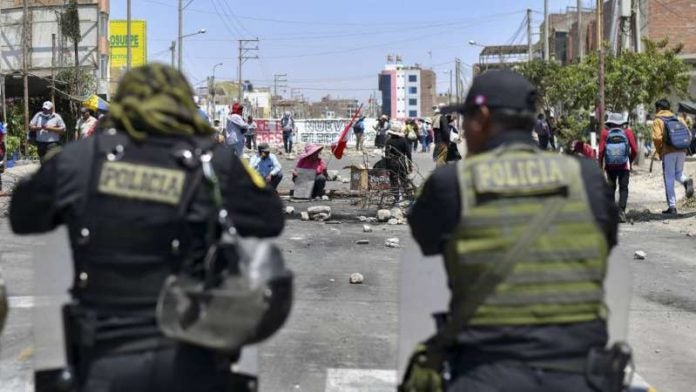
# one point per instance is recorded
(600, 49)
(277, 79)
(25, 62)
(546, 30)
(53, 68)
(636, 27)
(128, 35)
(581, 50)
(181, 33)
(449, 99)
(244, 49)
(529, 35)
(172, 48)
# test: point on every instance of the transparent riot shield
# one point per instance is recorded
(424, 293)
(52, 275)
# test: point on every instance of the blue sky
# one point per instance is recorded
(332, 47)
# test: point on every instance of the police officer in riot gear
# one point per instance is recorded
(525, 235)
(134, 209)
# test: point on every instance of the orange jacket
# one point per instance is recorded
(658, 134)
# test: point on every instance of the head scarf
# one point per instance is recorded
(156, 99)
(237, 108)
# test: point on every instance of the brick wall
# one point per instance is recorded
(674, 19)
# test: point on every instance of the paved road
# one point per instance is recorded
(343, 337)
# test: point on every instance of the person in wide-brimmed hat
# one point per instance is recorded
(617, 151)
(397, 152)
(311, 159)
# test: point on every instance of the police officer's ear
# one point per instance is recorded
(478, 121)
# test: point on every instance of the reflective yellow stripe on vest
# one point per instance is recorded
(558, 278)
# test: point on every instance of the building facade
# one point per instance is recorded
(407, 91)
(47, 50)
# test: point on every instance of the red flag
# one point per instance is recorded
(338, 148)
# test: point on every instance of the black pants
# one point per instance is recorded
(319, 185)
(179, 368)
(275, 180)
(544, 142)
(287, 141)
(43, 147)
(620, 178)
(250, 141)
(499, 377)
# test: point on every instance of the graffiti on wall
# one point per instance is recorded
(317, 131)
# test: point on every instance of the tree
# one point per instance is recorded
(70, 27)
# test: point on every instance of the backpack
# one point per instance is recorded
(359, 127)
(677, 134)
(617, 149)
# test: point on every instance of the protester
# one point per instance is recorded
(287, 124)
(311, 159)
(250, 135)
(617, 151)
(552, 131)
(424, 133)
(580, 148)
(411, 132)
(381, 128)
(359, 132)
(236, 128)
(48, 127)
(541, 128)
(267, 165)
(398, 161)
(673, 157)
(453, 154)
(525, 254)
(441, 125)
(219, 136)
(85, 125)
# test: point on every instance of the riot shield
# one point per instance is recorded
(424, 293)
(53, 271)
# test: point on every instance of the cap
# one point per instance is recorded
(500, 89)
(616, 118)
(48, 105)
(264, 147)
(84, 110)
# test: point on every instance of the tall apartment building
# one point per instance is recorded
(47, 48)
(407, 91)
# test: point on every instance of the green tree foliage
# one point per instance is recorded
(70, 25)
(631, 79)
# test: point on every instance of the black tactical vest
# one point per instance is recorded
(132, 232)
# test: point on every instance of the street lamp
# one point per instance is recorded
(474, 43)
(212, 85)
(181, 44)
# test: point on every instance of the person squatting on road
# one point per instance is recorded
(45, 129)
(235, 130)
(398, 161)
(311, 159)
(267, 165)
(287, 124)
(671, 138)
(136, 210)
(525, 235)
(617, 151)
